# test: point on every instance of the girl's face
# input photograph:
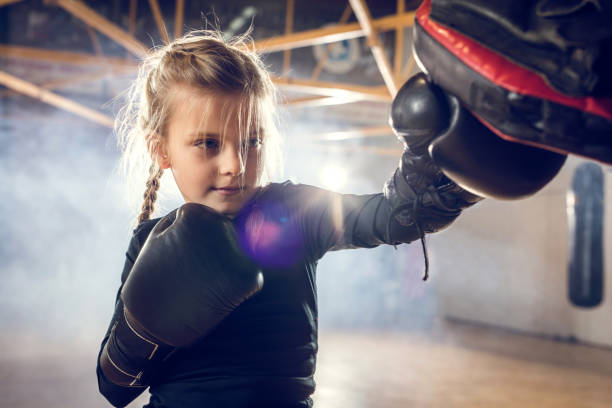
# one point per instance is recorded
(203, 150)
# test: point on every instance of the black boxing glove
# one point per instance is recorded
(420, 113)
(419, 193)
(428, 119)
(189, 275)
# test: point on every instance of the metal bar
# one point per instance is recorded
(330, 34)
(365, 20)
(399, 43)
(320, 100)
(408, 68)
(43, 95)
(346, 14)
(72, 80)
(355, 92)
(159, 20)
(132, 20)
(132, 16)
(76, 79)
(327, 147)
(95, 41)
(304, 101)
(288, 30)
(90, 17)
(7, 2)
(378, 93)
(65, 57)
(179, 12)
(360, 133)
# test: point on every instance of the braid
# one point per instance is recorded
(150, 194)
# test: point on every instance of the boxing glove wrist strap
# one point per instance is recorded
(129, 351)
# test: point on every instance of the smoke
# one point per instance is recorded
(66, 228)
(63, 223)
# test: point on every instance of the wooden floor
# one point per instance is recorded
(465, 367)
(460, 366)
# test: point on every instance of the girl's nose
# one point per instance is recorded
(230, 162)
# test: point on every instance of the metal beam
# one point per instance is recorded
(159, 20)
(350, 92)
(399, 44)
(90, 17)
(359, 133)
(320, 100)
(179, 12)
(340, 148)
(7, 2)
(132, 20)
(43, 95)
(288, 30)
(74, 80)
(132, 16)
(95, 42)
(66, 57)
(408, 68)
(377, 93)
(331, 34)
(365, 20)
(67, 81)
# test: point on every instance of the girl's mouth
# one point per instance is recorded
(228, 190)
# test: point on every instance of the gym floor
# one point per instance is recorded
(460, 366)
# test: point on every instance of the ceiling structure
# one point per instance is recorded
(347, 56)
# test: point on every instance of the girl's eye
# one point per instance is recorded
(208, 144)
(254, 142)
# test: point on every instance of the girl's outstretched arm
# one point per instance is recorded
(417, 199)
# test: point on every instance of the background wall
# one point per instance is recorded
(505, 264)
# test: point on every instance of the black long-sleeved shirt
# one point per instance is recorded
(264, 352)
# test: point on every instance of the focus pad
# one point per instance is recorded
(487, 165)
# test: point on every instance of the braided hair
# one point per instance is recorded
(150, 194)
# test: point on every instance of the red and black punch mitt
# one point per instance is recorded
(515, 102)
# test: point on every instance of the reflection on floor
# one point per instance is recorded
(462, 366)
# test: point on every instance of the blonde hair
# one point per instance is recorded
(202, 61)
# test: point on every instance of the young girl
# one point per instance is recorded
(203, 109)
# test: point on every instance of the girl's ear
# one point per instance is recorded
(158, 151)
(162, 158)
